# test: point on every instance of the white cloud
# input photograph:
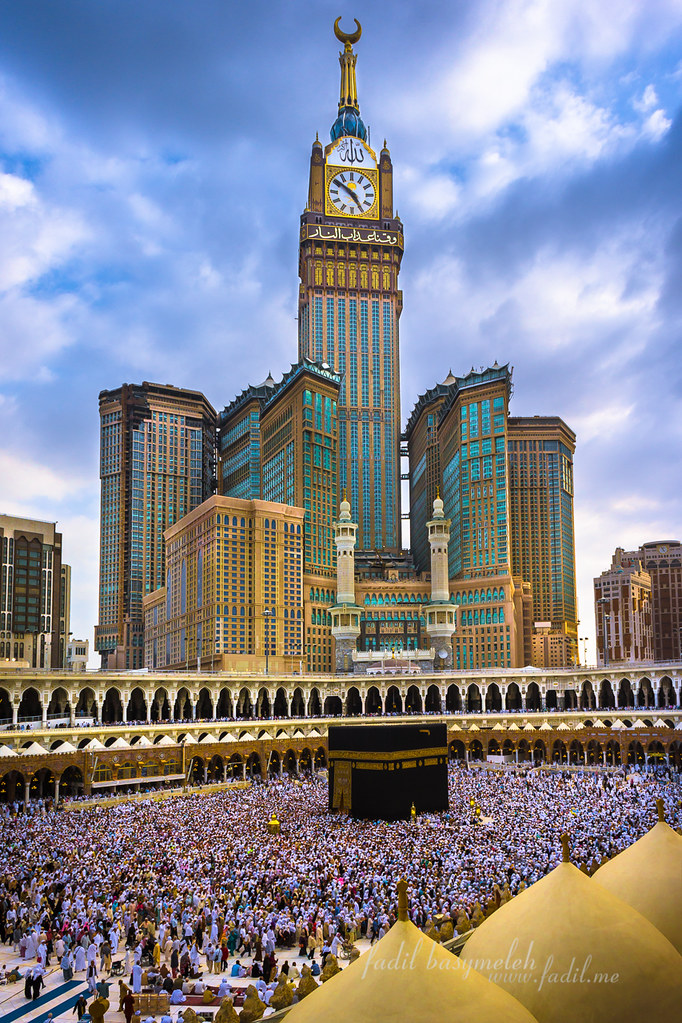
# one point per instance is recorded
(23, 482)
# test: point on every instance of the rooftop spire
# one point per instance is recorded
(349, 121)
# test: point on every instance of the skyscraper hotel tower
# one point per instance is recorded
(157, 463)
(351, 245)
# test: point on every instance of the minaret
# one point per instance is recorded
(440, 614)
(345, 614)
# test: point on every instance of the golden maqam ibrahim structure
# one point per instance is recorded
(572, 952)
(648, 876)
(407, 976)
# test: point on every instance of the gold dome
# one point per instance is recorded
(572, 952)
(407, 976)
(648, 876)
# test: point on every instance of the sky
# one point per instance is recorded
(154, 164)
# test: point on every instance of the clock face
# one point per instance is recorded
(352, 193)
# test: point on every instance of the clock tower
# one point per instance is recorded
(351, 245)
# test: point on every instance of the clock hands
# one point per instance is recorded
(351, 194)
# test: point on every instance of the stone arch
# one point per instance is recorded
(645, 693)
(413, 700)
(71, 781)
(31, 707)
(224, 707)
(594, 752)
(655, 753)
(433, 703)
(263, 708)
(87, 704)
(112, 708)
(333, 707)
(493, 697)
(570, 699)
(216, 768)
(607, 700)
(42, 784)
(393, 703)
(613, 753)
(453, 699)
(305, 761)
(297, 703)
(635, 753)
(274, 764)
(666, 693)
(508, 748)
(475, 750)
(373, 704)
(204, 705)
(182, 711)
(314, 703)
(494, 748)
(552, 699)
(244, 704)
(12, 786)
(675, 755)
(588, 700)
(575, 752)
(281, 705)
(160, 709)
(59, 705)
(353, 702)
(523, 751)
(533, 697)
(195, 772)
(559, 754)
(473, 699)
(320, 758)
(513, 700)
(626, 697)
(254, 768)
(5, 707)
(137, 706)
(456, 749)
(539, 752)
(235, 766)
(289, 763)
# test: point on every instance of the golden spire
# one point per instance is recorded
(660, 806)
(565, 849)
(402, 899)
(349, 91)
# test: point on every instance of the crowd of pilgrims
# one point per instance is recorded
(195, 883)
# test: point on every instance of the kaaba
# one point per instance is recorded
(376, 772)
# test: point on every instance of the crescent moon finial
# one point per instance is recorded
(347, 37)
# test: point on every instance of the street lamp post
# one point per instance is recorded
(267, 614)
(583, 640)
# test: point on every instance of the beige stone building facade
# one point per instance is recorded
(623, 612)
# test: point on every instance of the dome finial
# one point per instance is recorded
(349, 121)
(565, 849)
(660, 807)
(402, 899)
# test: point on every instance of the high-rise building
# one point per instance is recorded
(541, 450)
(157, 463)
(622, 610)
(351, 245)
(662, 561)
(233, 598)
(279, 442)
(64, 613)
(299, 436)
(421, 437)
(239, 442)
(33, 598)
